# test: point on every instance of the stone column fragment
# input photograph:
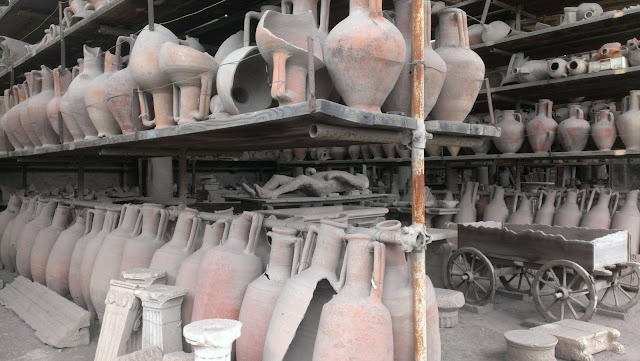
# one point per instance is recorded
(212, 339)
(150, 354)
(162, 317)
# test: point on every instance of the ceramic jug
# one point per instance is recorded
(91, 252)
(557, 68)
(497, 209)
(32, 87)
(465, 69)
(44, 241)
(13, 124)
(547, 209)
(93, 66)
(357, 311)
(6, 142)
(59, 263)
(634, 52)
(541, 130)
(469, 194)
(588, 11)
(145, 71)
(27, 236)
(524, 213)
(94, 222)
(37, 108)
(376, 150)
(513, 131)
(603, 130)
(629, 122)
(574, 131)
(599, 216)
(262, 294)
(628, 217)
(577, 66)
(183, 243)
(26, 215)
(226, 271)
(61, 81)
(107, 262)
(294, 322)
(95, 100)
(569, 16)
(139, 251)
(377, 47)
(67, 104)
(7, 218)
(569, 213)
(354, 152)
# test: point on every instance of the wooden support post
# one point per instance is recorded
(311, 81)
(151, 16)
(182, 178)
(62, 45)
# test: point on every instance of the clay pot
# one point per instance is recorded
(138, 251)
(609, 51)
(465, 69)
(26, 215)
(569, 213)
(546, 209)
(44, 242)
(599, 216)
(574, 132)
(627, 218)
(300, 153)
(603, 130)
(61, 80)
(629, 122)
(557, 68)
(469, 193)
(513, 132)
(634, 52)
(354, 151)
(541, 130)
(59, 264)
(183, 243)
(357, 311)
(366, 152)
(109, 258)
(577, 66)
(13, 126)
(376, 151)
(95, 100)
(76, 11)
(27, 236)
(7, 218)
(32, 88)
(532, 70)
(588, 11)
(262, 294)
(497, 209)
(91, 252)
(495, 31)
(524, 213)
(12, 50)
(67, 105)
(37, 109)
(94, 222)
(569, 16)
(145, 71)
(338, 153)
(364, 43)
(6, 144)
(93, 67)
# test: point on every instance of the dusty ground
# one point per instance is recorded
(476, 338)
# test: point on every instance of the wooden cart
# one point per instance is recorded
(567, 271)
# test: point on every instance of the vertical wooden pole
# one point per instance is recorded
(63, 51)
(151, 15)
(311, 76)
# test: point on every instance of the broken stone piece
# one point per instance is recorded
(212, 339)
(528, 345)
(145, 277)
(149, 354)
(162, 317)
(179, 356)
(449, 302)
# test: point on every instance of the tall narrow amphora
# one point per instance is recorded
(139, 251)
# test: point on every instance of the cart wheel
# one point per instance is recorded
(471, 273)
(563, 288)
(624, 291)
(519, 282)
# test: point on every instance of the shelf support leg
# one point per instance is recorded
(151, 15)
(62, 45)
(182, 178)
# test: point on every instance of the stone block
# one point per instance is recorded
(613, 314)
(162, 317)
(212, 339)
(149, 354)
(478, 309)
(449, 302)
(56, 321)
(528, 345)
(579, 340)
(179, 356)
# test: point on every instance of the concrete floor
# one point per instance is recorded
(476, 338)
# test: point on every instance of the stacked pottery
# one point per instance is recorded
(139, 251)
(13, 124)
(32, 88)
(37, 108)
(60, 84)
(262, 294)
(26, 215)
(45, 241)
(541, 130)
(94, 222)
(95, 100)
(109, 258)
(93, 66)
(497, 209)
(7, 218)
(469, 193)
(357, 312)
(546, 209)
(27, 236)
(91, 252)
(569, 213)
(574, 131)
(513, 132)
(628, 218)
(183, 243)
(59, 264)
(524, 213)
(603, 130)
(629, 122)
(599, 216)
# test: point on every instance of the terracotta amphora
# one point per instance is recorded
(95, 100)
(226, 271)
(94, 222)
(364, 43)
(588, 11)
(524, 213)
(397, 297)
(61, 81)
(107, 262)
(354, 152)
(628, 217)
(7, 218)
(557, 68)
(513, 132)
(497, 209)
(45, 241)
(91, 252)
(76, 11)
(294, 323)
(27, 236)
(569, 213)
(26, 215)
(37, 108)
(465, 69)
(541, 130)
(547, 208)
(599, 216)
(32, 87)
(11, 50)
(13, 125)
(469, 194)
(145, 71)
(6, 143)
(187, 277)
(93, 66)
(357, 312)
(67, 104)
(59, 264)
(603, 130)
(183, 243)
(262, 294)
(139, 251)
(629, 122)
(574, 131)
(122, 99)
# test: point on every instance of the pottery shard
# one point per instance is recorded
(449, 302)
(179, 356)
(57, 321)
(150, 354)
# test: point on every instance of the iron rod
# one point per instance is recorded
(62, 45)
(151, 16)
(311, 76)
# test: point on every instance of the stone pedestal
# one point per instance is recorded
(449, 302)
(161, 317)
(212, 339)
(527, 345)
